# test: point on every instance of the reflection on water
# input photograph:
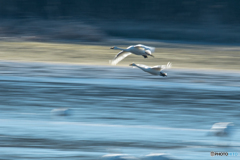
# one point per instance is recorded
(113, 108)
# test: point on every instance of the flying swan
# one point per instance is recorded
(138, 49)
(155, 70)
(222, 129)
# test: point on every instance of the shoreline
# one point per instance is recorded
(178, 69)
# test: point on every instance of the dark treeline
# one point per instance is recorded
(186, 11)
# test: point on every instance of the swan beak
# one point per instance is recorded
(112, 48)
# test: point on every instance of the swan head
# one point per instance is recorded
(114, 47)
(132, 64)
(163, 74)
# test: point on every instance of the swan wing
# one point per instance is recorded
(146, 48)
(162, 67)
(120, 56)
(158, 68)
(152, 49)
(139, 46)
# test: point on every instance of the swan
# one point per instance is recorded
(138, 49)
(157, 156)
(155, 70)
(222, 129)
(61, 111)
(118, 157)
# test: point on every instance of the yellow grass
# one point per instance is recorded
(181, 55)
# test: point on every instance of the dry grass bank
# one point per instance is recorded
(181, 55)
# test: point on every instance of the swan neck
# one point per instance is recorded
(119, 48)
(134, 65)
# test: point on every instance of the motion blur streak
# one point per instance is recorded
(114, 108)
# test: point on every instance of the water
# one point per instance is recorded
(114, 110)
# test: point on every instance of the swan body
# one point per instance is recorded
(138, 49)
(222, 129)
(155, 70)
(157, 156)
(61, 111)
(118, 157)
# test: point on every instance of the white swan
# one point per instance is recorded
(61, 111)
(157, 156)
(222, 129)
(118, 157)
(137, 49)
(155, 70)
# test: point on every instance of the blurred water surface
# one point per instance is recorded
(114, 110)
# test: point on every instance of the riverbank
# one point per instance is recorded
(182, 55)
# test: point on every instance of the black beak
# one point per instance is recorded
(111, 47)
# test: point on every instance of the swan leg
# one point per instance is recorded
(145, 56)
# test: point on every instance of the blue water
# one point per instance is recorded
(114, 110)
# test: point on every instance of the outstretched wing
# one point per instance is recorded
(162, 67)
(146, 48)
(120, 56)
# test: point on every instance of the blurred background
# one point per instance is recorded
(61, 99)
(191, 20)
